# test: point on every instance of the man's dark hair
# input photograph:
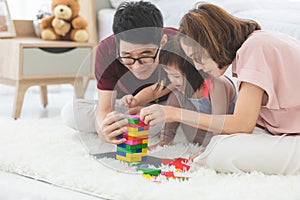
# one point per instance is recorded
(138, 22)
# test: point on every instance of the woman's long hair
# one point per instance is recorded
(211, 28)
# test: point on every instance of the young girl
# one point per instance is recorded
(191, 90)
(258, 136)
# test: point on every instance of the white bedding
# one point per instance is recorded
(276, 15)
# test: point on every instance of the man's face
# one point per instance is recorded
(147, 55)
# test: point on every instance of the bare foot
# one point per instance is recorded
(192, 157)
(161, 143)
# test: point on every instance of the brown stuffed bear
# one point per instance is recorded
(65, 22)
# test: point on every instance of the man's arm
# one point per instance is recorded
(109, 124)
(106, 101)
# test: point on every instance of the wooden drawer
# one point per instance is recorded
(56, 61)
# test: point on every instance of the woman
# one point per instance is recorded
(261, 133)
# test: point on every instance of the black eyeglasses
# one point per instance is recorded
(144, 60)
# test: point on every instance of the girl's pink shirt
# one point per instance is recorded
(271, 61)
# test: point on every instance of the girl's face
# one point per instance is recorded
(207, 64)
(176, 77)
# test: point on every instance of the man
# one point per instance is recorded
(126, 62)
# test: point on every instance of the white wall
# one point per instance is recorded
(27, 9)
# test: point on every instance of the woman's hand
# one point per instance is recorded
(156, 114)
(113, 125)
(135, 110)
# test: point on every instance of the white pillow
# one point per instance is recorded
(115, 3)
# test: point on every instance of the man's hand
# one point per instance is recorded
(113, 125)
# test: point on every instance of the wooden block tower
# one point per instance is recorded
(135, 147)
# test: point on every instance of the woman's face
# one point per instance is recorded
(176, 77)
(207, 64)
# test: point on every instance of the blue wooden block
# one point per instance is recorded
(138, 151)
(144, 158)
(120, 136)
(141, 128)
(123, 145)
(121, 153)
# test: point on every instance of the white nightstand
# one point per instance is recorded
(27, 61)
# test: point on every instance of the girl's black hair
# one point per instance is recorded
(173, 54)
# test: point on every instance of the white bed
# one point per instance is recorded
(276, 15)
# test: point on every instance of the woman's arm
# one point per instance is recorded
(243, 119)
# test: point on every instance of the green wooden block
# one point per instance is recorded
(133, 120)
(137, 146)
(151, 171)
(127, 150)
(135, 163)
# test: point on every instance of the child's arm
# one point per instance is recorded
(126, 100)
(145, 96)
(221, 95)
(167, 135)
(169, 131)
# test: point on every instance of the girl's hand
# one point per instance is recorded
(126, 100)
(112, 126)
(156, 114)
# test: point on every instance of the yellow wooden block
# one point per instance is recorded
(132, 129)
(135, 134)
(144, 150)
(148, 176)
(145, 141)
(135, 157)
(126, 159)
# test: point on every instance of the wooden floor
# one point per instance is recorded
(58, 96)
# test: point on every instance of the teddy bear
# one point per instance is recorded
(65, 23)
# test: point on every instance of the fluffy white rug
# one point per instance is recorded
(47, 150)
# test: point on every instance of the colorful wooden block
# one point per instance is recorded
(145, 141)
(135, 138)
(127, 146)
(135, 147)
(150, 171)
(134, 142)
(132, 158)
(179, 163)
(137, 133)
(140, 126)
(133, 119)
(138, 150)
